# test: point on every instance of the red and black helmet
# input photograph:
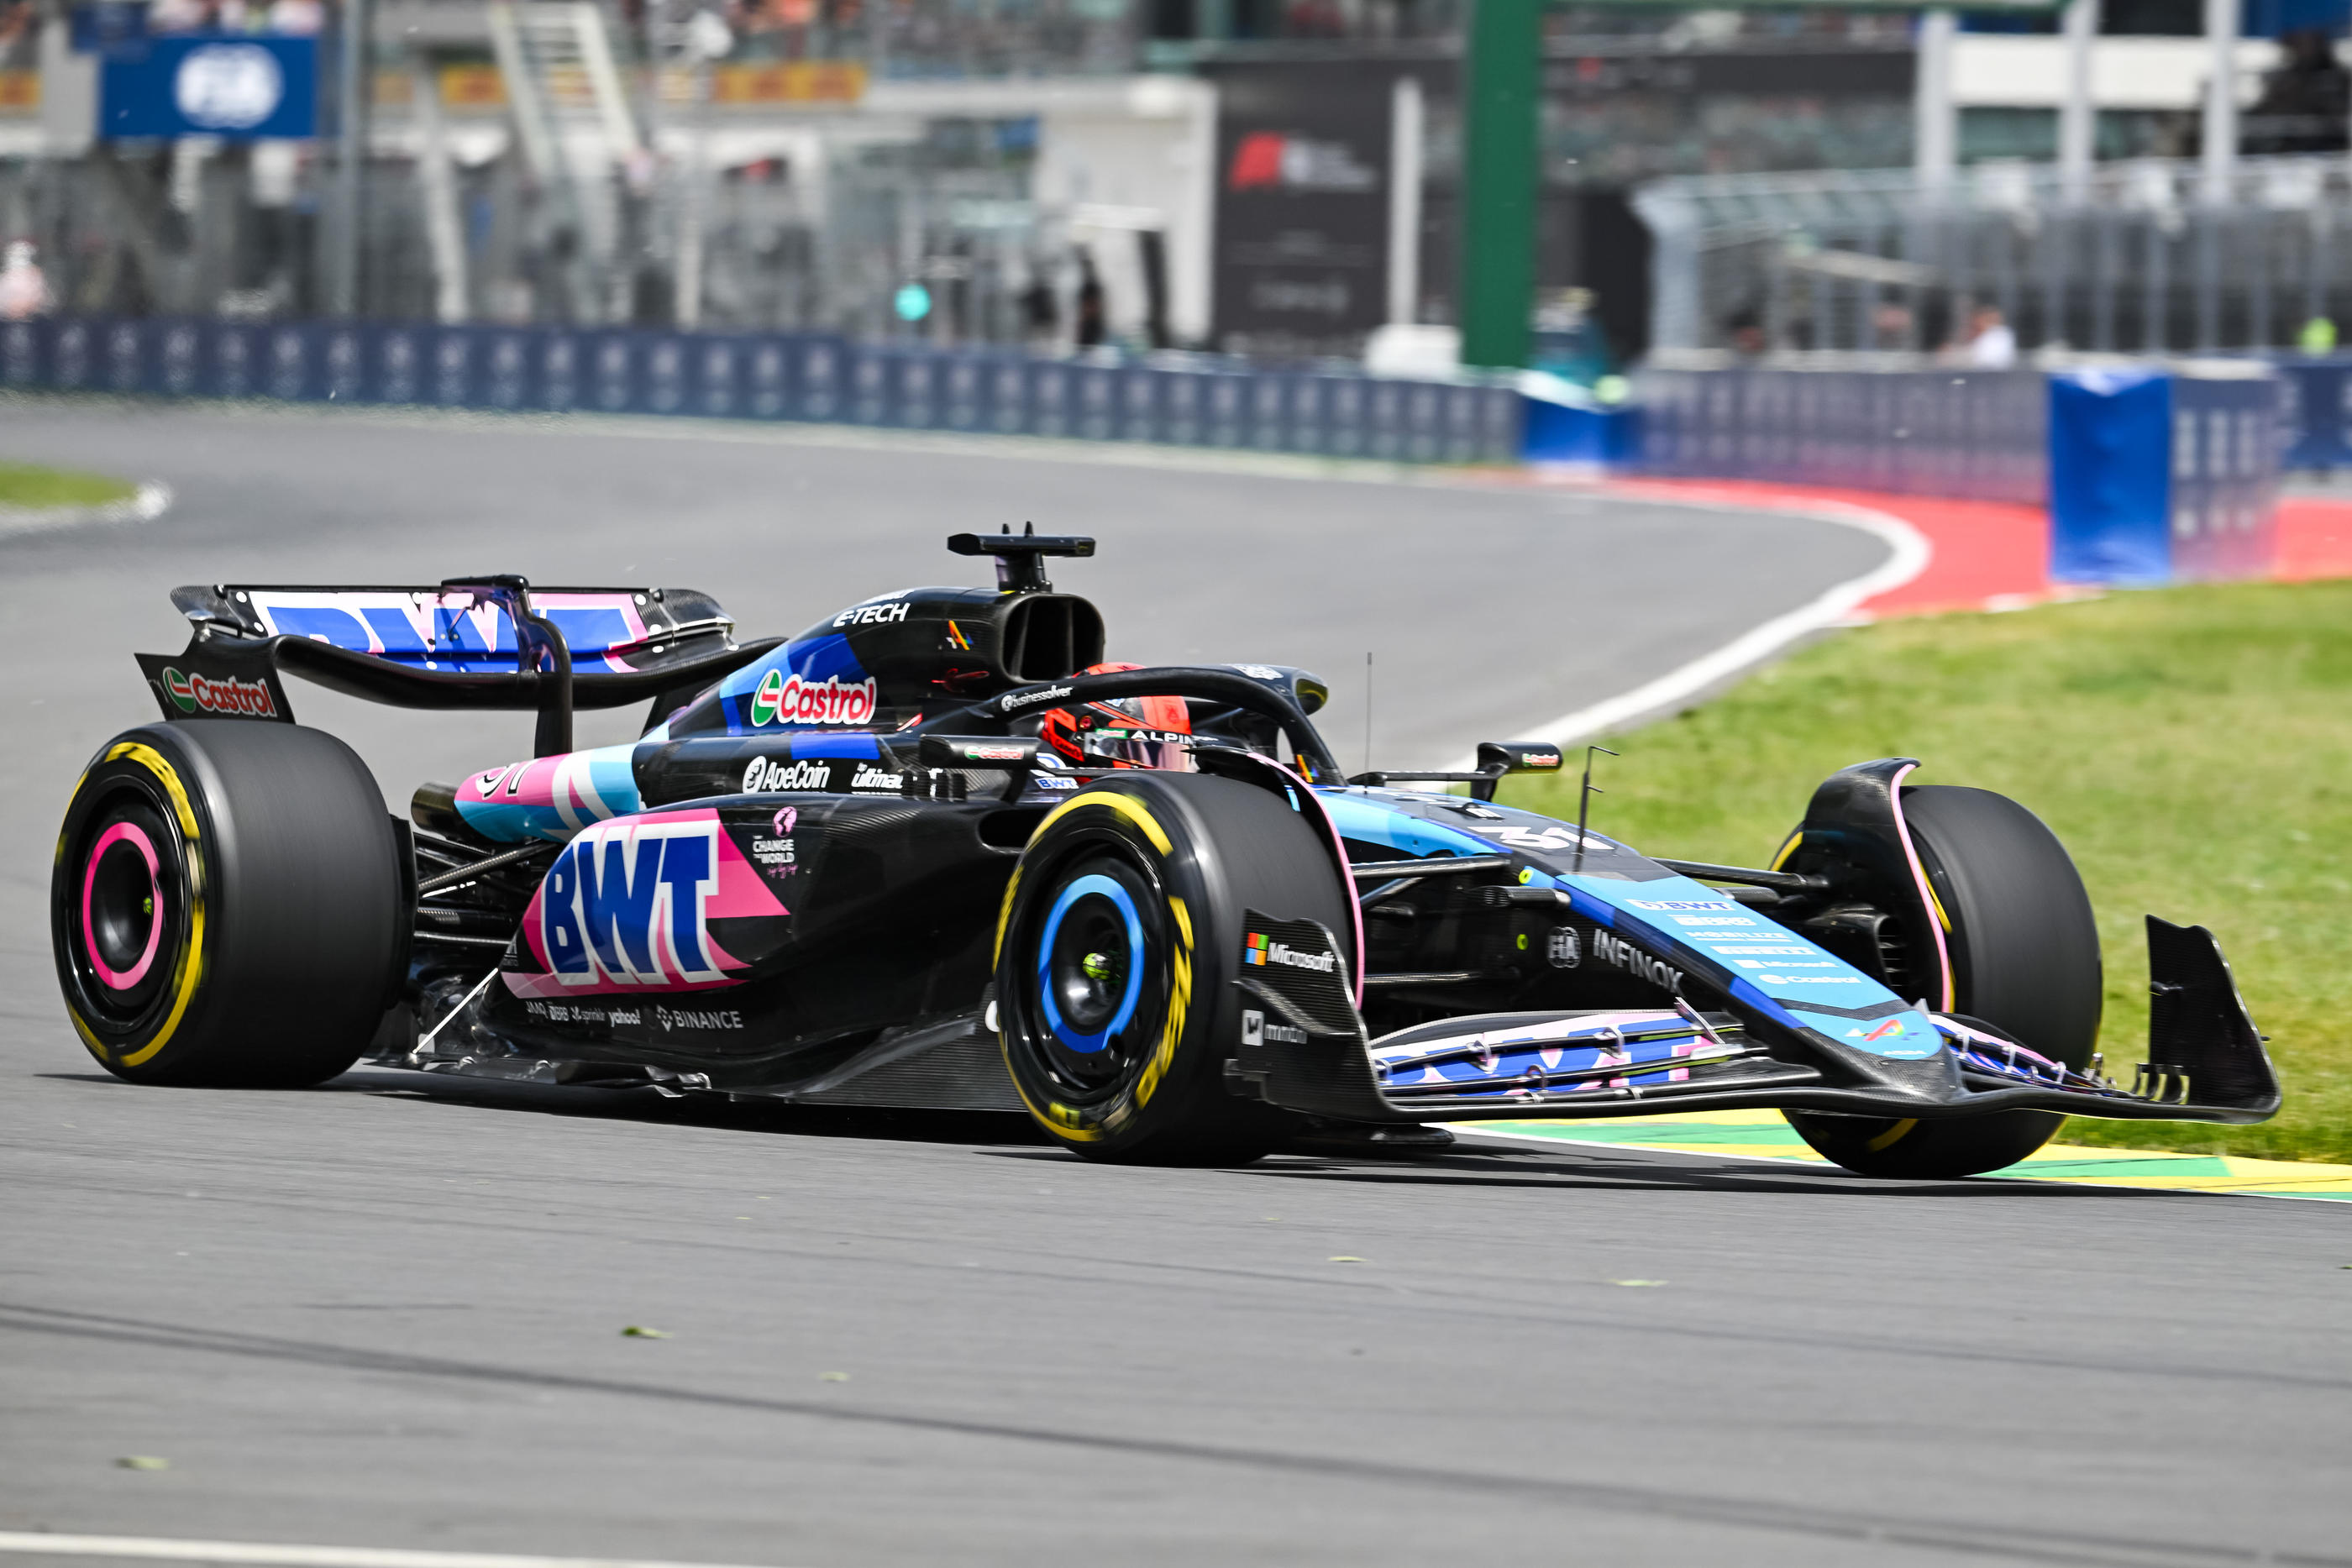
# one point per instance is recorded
(1120, 732)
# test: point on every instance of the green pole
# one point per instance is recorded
(1502, 83)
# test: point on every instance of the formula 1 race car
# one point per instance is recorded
(935, 853)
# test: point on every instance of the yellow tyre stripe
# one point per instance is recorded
(1893, 1135)
(1127, 806)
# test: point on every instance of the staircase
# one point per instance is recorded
(579, 137)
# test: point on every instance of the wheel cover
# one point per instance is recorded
(125, 928)
(1090, 963)
(1089, 1012)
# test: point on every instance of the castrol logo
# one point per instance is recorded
(195, 693)
(789, 699)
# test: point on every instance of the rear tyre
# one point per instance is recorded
(2025, 959)
(227, 906)
(1121, 932)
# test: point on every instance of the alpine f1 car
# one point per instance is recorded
(935, 853)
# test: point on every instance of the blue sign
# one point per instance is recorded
(211, 84)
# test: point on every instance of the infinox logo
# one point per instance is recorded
(789, 699)
(199, 694)
(625, 902)
(1260, 949)
(1616, 950)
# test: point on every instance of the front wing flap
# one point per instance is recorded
(1304, 1047)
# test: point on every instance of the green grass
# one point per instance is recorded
(2192, 746)
(31, 487)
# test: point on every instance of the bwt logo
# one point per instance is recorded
(625, 902)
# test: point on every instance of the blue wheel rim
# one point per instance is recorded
(1099, 887)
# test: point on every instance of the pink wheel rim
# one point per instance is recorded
(136, 837)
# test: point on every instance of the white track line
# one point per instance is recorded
(274, 1556)
(1909, 553)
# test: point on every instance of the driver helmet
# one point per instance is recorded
(1120, 732)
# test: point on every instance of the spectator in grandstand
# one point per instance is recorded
(179, 16)
(2304, 101)
(1092, 313)
(1040, 315)
(1991, 345)
(24, 290)
(1744, 331)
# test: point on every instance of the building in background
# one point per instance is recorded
(1272, 177)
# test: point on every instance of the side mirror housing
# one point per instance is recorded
(1497, 757)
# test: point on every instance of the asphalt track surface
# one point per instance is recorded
(388, 1312)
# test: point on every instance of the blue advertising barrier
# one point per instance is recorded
(1589, 437)
(2111, 476)
(1979, 435)
(2225, 470)
(2162, 476)
(2151, 475)
(2315, 410)
(804, 376)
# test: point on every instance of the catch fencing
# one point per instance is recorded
(808, 377)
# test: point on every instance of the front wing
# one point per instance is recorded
(1303, 1045)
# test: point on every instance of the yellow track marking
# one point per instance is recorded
(2073, 1165)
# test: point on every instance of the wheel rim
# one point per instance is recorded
(124, 932)
(1095, 994)
(1090, 963)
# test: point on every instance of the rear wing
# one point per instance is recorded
(468, 643)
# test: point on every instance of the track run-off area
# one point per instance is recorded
(383, 1320)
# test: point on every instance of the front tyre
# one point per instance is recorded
(1121, 932)
(2024, 952)
(227, 905)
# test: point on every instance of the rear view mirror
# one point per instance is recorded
(1497, 757)
(1501, 756)
(1012, 753)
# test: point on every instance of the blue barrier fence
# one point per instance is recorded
(2162, 478)
(1981, 436)
(2315, 397)
(769, 376)
(2152, 474)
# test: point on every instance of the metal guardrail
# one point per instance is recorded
(767, 376)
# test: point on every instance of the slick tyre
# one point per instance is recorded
(2025, 953)
(227, 905)
(1121, 934)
